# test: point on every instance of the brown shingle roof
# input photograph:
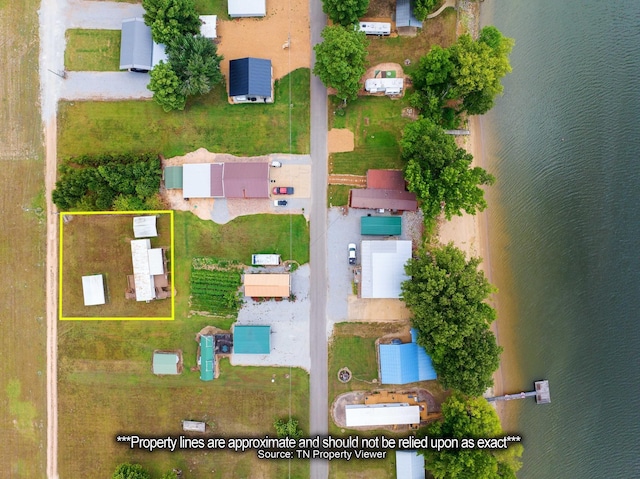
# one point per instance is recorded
(383, 199)
(385, 179)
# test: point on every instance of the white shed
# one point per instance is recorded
(247, 8)
(383, 268)
(208, 27)
(409, 465)
(93, 290)
(145, 227)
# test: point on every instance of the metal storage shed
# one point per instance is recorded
(409, 464)
(145, 227)
(405, 16)
(383, 268)
(251, 339)
(93, 290)
(173, 177)
(207, 358)
(388, 414)
(136, 45)
(165, 363)
(267, 285)
(247, 8)
(381, 225)
(208, 27)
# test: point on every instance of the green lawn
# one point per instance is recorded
(438, 31)
(377, 124)
(92, 50)
(236, 240)
(338, 195)
(101, 244)
(208, 121)
(106, 386)
(212, 7)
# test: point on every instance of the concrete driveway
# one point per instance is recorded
(289, 321)
(105, 86)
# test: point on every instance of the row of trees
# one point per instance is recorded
(109, 182)
(347, 12)
(193, 66)
(136, 471)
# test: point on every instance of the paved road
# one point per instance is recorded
(319, 416)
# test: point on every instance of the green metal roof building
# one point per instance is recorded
(165, 363)
(381, 225)
(207, 358)
(173, 177)
(251, 339)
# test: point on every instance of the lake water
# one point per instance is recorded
(564, 225)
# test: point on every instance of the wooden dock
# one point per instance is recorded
(541, 393)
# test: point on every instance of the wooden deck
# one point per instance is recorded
(385, 397)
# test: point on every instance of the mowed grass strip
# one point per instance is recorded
(92, 50)
(338, 195)
(101, 244)
(242, 402)
(377, 124)
(208, 121)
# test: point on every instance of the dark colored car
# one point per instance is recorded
(282, 190)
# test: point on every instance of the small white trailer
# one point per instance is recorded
(375, 28)
(265, 259)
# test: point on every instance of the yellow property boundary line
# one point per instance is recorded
(120, 213)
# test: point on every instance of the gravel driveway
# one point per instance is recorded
(105, 86)
(289, 323)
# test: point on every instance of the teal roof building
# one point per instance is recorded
(251, 339)
(165, 363)
(207, 358)
(381, 225)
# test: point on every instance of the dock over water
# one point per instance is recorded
(541, 393)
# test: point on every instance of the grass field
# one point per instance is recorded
(377, 124)
(437, 31)
(338, 195)
(22, 246)
(92, 50)
(101, 244)
(212, 7)
(106, 385)
(236, 240)
(209, 122)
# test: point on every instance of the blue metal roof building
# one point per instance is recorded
(405, 363)
(250, 80)
(405, 16)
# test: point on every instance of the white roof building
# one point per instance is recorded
(145, 227)
(197, 180)
(387, 414)
(409, 465)
(147, 262)
(383, 268)
(208, 27)
(93, 290)
(390, 86)
(247, 8)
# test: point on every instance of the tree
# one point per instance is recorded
(447, 298)
(169, 19)
(166, 88)
(196, 62)
(422, 8)
(130, 471)
(469, 418)
(345, 12)
(468, 71)
(288, 428)
(440, 173)
(341, 60)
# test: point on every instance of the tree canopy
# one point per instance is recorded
(130, 471)
(345, 12)
(468, 72)
(288, 428)
(169, 19)
(447, 298)
(422, 8)
(341, 60)
(193, 68)
(108, 182)
(440, 173)
(470, 418)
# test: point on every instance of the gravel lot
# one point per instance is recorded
(289, 326)
(342, 230)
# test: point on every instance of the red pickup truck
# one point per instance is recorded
(283, 190)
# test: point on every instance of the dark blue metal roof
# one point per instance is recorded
(405, 363)
(250, 76)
